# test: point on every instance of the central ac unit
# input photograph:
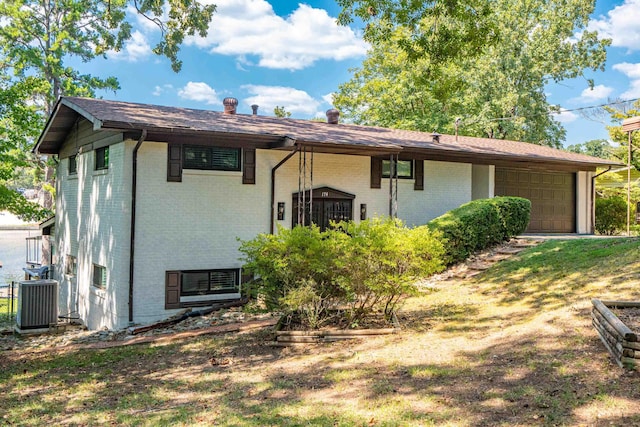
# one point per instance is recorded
(37, 304)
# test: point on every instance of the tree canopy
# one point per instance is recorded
(493, 86)
(38, 38)
(621, 152)
(595, 147)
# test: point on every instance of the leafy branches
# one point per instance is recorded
(358, 268)
(493, 79)
(38, 38)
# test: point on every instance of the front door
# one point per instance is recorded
(328, 205)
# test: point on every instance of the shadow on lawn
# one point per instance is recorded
(520, 380)
(557, 273)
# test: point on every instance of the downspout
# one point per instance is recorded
(134, 176)
(593, 199)
(273, 185)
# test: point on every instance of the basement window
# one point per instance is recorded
(71, 265)
(405, 169)
(211, 158)
(210, 282)
(99, 276)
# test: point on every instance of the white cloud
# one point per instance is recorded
(328, 98)
(596, 93)
(199, 91)
(159, 90)
(565, 116)
(621, 25)
(251, 27)
(135, 49)
(632, 71)
(293, 100)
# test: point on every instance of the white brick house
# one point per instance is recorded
(151, 201)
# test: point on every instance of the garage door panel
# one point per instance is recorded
(552, 197)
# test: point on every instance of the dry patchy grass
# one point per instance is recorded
(511, 347)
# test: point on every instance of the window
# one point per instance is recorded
(71, 265)
(405, 169)
(73, 165)
(211, 158)
(99, 276)
(102, 158)
(207, 282)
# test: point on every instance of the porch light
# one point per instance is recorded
(280, 211)
(363, 211)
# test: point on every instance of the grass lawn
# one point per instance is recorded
(513, 346)
(6, 313)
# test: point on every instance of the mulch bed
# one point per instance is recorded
(629, 316)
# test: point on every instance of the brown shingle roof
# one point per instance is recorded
(126, 116)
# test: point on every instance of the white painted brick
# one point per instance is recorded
(196, 223)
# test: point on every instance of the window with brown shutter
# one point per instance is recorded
(418, 172)
(249, 166)
(172, 290)
(174, 166)
(376, 172)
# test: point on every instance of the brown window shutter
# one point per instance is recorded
(419, 174)
(376, 172)
(174, 164)
(249, 166)
(172, 290)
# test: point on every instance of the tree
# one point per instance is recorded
(618, 114)
(434, 30)
(595, 147)
(38, 37)
(280, 112)
(497, 91)
(20, 123)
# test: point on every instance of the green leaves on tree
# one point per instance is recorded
(487, 83)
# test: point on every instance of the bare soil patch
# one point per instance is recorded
(629, 316)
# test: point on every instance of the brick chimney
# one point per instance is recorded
(230, 105)
(254, 108)
(333, 116)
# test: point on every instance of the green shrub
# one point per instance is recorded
(357, 268)
(385, 259)
(611, 215)
(515, 213)
(302, 257)
(479, 224)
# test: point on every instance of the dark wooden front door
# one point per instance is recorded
(328, 205)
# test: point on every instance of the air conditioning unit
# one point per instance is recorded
(37, 305)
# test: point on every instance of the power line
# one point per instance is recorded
(599, 106)
(557, 112)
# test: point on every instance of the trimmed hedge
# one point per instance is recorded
(479, 224)
(611, 215)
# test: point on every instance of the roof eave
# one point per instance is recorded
(51, 121)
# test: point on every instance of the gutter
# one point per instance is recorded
(273, 182)
(593, 197)
(134, 183)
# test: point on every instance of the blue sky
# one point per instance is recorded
(291, 54)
